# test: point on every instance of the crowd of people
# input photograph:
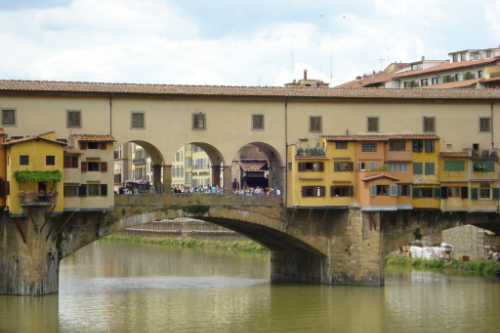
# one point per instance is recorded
(215, 189)
(258, 191)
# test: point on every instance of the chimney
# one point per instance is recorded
(423, 58)
(305, 74)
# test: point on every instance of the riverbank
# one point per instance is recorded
(235, 246)
(482, 267)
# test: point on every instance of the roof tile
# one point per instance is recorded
(94, 138)
(252, 166)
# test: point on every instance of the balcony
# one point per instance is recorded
(139, 161)
(482, 153)
(398, 156)
(38, 200)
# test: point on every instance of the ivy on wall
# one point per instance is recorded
(24, 176)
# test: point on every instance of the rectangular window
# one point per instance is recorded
(92, 145)
(199, 122)
(463, 56)
(405, 190)
(484, 193)
(377, 190)
(257, 122)
(340, 145)
(398, 167)
(488, 54)
(454, 166)
(424, 82)
(397, 145)
(429, 124)
(93, 190)
(417, 169)
(74, 119)
(9, 117)
(93, 166)
(418, 146)
(137, 119)
(24, 160)
(71, 161)
(457, 77)
(315, 124)
(372, 125)
(343, 166)
(476, 56)
(313, 191)
(453, 192)
(426, 192)
(341, 191)
(429, 146)
(70, 191)
(483, 166)
(455, 58)
(311, 166)
(484, 125)
(50, 160)
(429, 168)
(435, 80)
(369, 147)
(479, 74)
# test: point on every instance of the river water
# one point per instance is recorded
(116, 287)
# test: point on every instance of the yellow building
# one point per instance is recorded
(426, 183)
(483, 177)
(454, 178)
(34, 172)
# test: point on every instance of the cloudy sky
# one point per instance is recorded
(221, 42)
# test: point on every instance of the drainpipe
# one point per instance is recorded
(286, 155)
(111, 114)
(491, 111)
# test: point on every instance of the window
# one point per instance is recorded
(257, 122)
(372, 125)
(453, 192)
(417, 169)
(9, 117)
(457, 77)
(484, 125)
(469, 76)
(340, 145)
(448, 78)
(483, 166)
(424, 82)
(397, 145)
(74, 118)
(341, 191)
(93, 166)
(455, 58)
(429, 146)
(479, 74)
(315, 124)
(429, 168)
(435, 80)
(289, 166)
(70, 191)
(311, 166)
(199, 121)
(93, 190)
(454, 166)
(50, 160)
(484, 193)
(24, 160)
(369, 147)
(313, 191)
(137, 119)
(463, 56)
(70, 162)
(416, 67)
(488, 54)
(426, 192)
(477, 56)
(398, 167)
(404, 190)
(92, 145)
(380, 190)
(372, 165)
(343, 166)
(418, 146)
(429, 124)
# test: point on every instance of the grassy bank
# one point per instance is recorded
(484, 267)
(237, 246)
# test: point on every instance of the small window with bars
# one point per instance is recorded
(315, 124)
(484, 124)
(9, 117)
(373, 124)
(199, 121)
(138, 120)
(369, 147)
(429, 124)
(257, 122)
(74, 119)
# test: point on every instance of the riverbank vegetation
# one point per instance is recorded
(236, 246)
(483, 267)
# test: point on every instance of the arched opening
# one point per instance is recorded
(197, 166)
(256, 165)
(138, 164)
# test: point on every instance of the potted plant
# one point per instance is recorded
(300, 152)
(53, 195)
(21, 193)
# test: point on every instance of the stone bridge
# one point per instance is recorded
(334, 246)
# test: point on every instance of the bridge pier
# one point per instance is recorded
(167, 179)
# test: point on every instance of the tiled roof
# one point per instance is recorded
(369, 178)
(12, 86)
(30, 138)
(380, 77)
(311, 158)
(453, 154)
(94, 138)
(446, 66)
(252, 166)
(492, 79)
(71, 150)
(380, 137)
(451, 85)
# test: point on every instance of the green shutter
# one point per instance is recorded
(448, 165)
(460, 166)
(489, 166)
(429, 168)
(437, 192)
(496, 193)
(474, 193)
(416, 192)
(417, 168)
(429, 146)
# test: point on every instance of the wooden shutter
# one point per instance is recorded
(416, 192)
(332, 191)
(304, 191)
(102, 145)
(444, 192)
(464, 192)
(361, 166)
(373, 190)
(495, 195)
(321, 166)
(323, 190)
(82, 190)
(2, 188)
(351, 191)
(336, 166)
(67, 161)
(417, 168)
(429, 168)
(393, 190)
(474, 193)
(83, 145)
(351, 166)
(104, 190)
(373, 165)
(104, 166)
(84, 166)
(302, 166)
(437, 193)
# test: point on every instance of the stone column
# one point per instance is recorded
(283, 184)
(156, 175)
(216, 175)
(227, 179)
(167, 179)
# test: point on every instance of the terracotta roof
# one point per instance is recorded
(457, 84)
(492, 79)
(94, 138)
(163, 90)
(311, 178)
(453, 154)
(2, 131)
(447, 66)
(381, 137)
(369, 178)
(30, 138)
(380, 77)
(252, 166)
(311, 158)
(71, 150)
